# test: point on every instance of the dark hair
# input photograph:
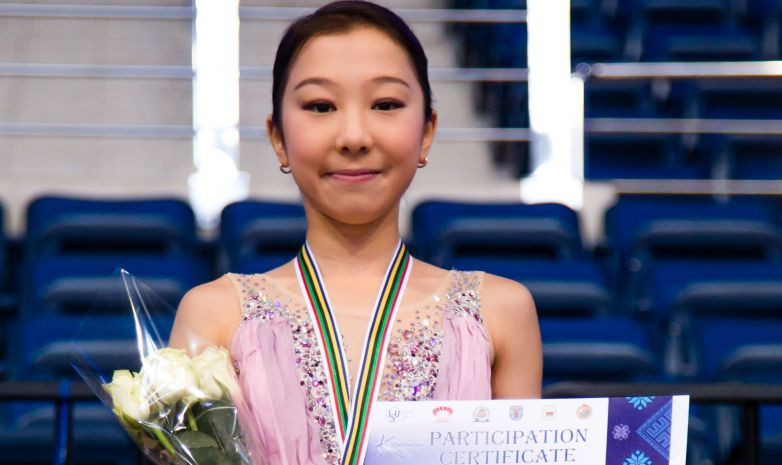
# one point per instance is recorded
(343, 16)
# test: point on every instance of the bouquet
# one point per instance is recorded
(179, 410)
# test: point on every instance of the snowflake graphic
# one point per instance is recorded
(620, 432)
(640, 403)
(638, 458)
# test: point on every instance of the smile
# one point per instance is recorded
(354, 176)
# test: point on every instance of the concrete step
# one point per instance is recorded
(125, 41)
(96, 100)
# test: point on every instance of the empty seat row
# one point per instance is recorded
(645, 30)
(260, 235)
(665, 156)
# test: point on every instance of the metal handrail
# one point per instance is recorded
(698, 186)
(279, 13)
(682, 126)
(416, 15)
(682, 70)
(436, 74)
(96, 71)
(688, 70)
(96, 11)
(140, 131)
(749, 396)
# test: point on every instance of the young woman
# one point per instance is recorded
(354, 317)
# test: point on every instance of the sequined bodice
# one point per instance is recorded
(414, 352)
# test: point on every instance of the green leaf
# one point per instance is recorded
(196, 440)
(220, 419)
(212, 456)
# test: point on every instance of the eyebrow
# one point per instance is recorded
(314, 81)
(327, 82)
(390, 79)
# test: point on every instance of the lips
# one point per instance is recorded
(354, 175)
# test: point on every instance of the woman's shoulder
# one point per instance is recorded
(506, 306)
(206, 312)
(505, 294)
(497, 294)
(216, 298)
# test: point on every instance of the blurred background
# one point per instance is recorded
(621, 158)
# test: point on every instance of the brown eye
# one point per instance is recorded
(319, 107)
(387, 105)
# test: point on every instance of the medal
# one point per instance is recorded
(352, 412)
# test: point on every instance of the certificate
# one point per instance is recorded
(612, 431)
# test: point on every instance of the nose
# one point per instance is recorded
(354, 136)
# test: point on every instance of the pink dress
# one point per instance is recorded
(439, 350)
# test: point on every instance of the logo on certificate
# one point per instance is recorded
(480, 414)
(442, 413)
(584, 411)
(396, 415)
(549, 412)
(516, 412)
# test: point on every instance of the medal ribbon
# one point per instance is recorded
(352, 414)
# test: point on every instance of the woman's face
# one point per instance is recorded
(353, 123)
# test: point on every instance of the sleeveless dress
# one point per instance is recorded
(439, 350)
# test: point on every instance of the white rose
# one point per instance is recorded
(167, 376)
(215, 373)
(126, 395)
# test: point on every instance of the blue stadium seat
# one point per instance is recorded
(586, 11)
(510, 102)
(743, 156)
(755, 157)
(3, 254)
(5, 307)
(612, 98)
(715, 288)
(684, 30)
(592, 44)
(44, 347)
(599, 349)
(754, 98)
(61, 226)
(493, 45)
(31, 441)
(681, 11)
(43, 341)
(701, 300)
(71, 284)
(444, 231)
(641, 229)
(256, 236)
(694, 43)
(739, 349)
(506, 46)
(726, 326)
(559, 288)
(771, 433)
(640, 156)
(767, 13)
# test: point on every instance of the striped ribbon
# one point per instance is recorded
(352, 413)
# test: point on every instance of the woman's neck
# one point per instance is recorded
(344, 249)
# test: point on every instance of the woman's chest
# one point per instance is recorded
(404, 356)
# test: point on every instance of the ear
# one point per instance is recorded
(430, 128)
(276, 139)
